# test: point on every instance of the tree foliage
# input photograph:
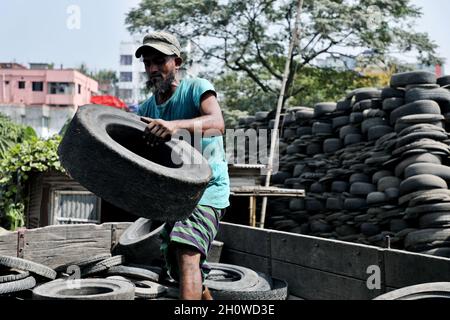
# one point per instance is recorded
(32, 155)
(12, 133)
(251, 37)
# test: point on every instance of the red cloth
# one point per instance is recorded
(109, 101)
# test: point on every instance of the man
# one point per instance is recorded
(188, 104)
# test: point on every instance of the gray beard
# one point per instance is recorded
(161, 87)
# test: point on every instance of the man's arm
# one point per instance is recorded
(211, 120)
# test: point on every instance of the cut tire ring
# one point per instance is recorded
(26, 265)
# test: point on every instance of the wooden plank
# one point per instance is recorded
(407, 268)
(117, 229)
(311, 284)
(57, 245)
(346, 259)
(8, 244)
(266, 191)
(251, 261)
(34, 205)
(245, 239)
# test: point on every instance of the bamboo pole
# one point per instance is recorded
(274, 135)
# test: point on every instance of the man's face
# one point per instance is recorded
(160, 70)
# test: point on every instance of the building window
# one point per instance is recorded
(126, 60)
(125, 94)
(38, 86)
(126, 76)
(79, 89)
(45, 122)
(21, 84)
(60, 88)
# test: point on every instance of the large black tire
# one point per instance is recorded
(322, 129)
(356, 117)
(362, 188)
(85, 289)
(354, 204)
(344, 131)
(374, 198)
(422, 144)
(324, 108)
(424, 291)
(339, 186)
(340, 121)
(359, 177)
(435, 220)
(140, 242)
(22, 264)
(344, 105)
(427, 239)
(417, 158)
(353, 93)
(380, 174)
(440, 95)
(444, 81)
(367, 124)
(17, 285)
(422, 182)
(391, 104)
(434, 135)
(104, 150)
(389, 92)
(417, 107)
(421, 127)
(428, 168)
(428, 208)
(425, 196)
(352, 138)
(415, 77)
(440, 252)
(388, 182)
(377, 131)
(332, 145)
(240, 278)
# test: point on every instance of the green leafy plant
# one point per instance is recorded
(32, 155)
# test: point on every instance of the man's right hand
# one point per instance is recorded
(155, 133)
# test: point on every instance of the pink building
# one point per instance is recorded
(54, 88)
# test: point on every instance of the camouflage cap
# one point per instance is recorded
(162, 41)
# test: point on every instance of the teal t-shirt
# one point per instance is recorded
(185, 104)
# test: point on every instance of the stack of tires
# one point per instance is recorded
(18, 276)
(373, 165)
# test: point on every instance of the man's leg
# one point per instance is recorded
(191, 285)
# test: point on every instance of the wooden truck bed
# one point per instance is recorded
(314, 268)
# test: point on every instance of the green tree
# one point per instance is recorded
(109, 76)
(251, 37)
(32, 155)
(12, 133)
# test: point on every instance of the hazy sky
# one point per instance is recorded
(37, 31)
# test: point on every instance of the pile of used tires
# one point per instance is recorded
(374, 166)
(132, 272)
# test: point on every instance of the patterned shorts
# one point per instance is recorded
(197, 231)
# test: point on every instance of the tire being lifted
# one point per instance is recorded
(104, 150)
